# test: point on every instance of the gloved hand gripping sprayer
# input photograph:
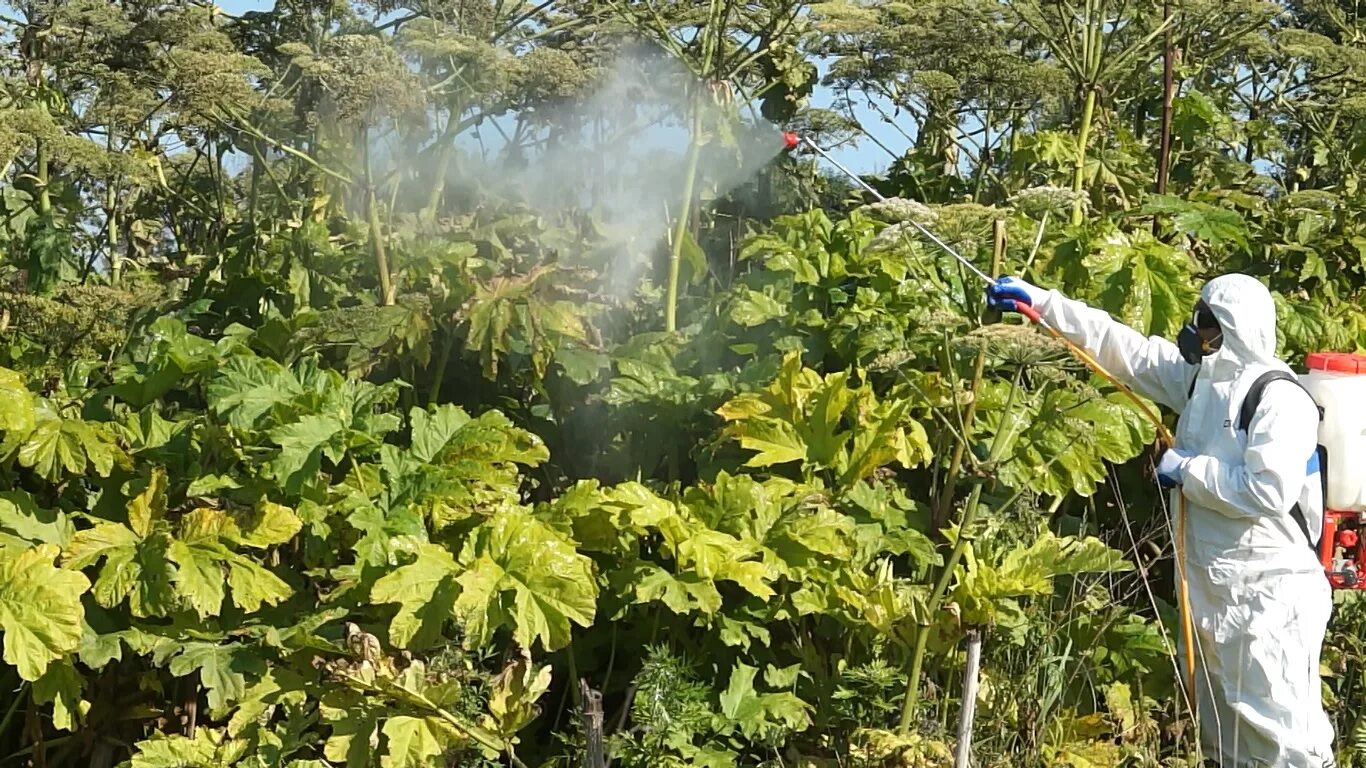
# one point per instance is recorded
(792, 141)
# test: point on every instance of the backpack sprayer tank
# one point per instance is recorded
(1337, 382)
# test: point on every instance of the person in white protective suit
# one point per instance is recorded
(1259, 599)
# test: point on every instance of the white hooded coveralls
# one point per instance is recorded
(1259, 599)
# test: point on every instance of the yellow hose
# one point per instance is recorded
(1165, 438)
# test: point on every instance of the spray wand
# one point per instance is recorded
(792, 141)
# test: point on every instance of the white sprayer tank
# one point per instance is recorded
(1338, 382)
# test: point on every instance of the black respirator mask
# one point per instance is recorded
(1193, 347)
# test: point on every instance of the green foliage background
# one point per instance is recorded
(315, 451)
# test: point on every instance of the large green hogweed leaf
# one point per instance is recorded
(514, 571)
(40, 609)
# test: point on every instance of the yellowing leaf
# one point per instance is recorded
(16, 403)
(20, 514)
(749, 574)
(774, 442)
(135, 569)
(205, 524)
(40, 609)
(49, 450)
(252, 585)
(824, 423)
(539, 583)
(425, 590)
(707, 551)
(682, 594)
(270, 525)
(1077, 435)
(208, 749)
(148, 506)
(353, 725)
(416, 742)
(56, 446)
(987, 587)
(433, 430)
(199, 575)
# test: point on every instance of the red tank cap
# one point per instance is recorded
(1337, 362)
(1347, 538)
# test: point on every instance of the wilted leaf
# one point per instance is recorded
(512, 701)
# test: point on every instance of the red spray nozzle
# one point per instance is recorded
(791, 141)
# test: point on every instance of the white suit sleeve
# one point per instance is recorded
(1268, 481)
(1152, 366)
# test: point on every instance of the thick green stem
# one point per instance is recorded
(44, 193)
(1164, 154)
(575, 693)
(998, 446)
(19, 699)
(443, 164)
(254, 191)
(1088, 110)
(112, 234)
(1091, 50)
(445, 149)
(386, 284)
(111, 203)
(684, 213)
(439, 376)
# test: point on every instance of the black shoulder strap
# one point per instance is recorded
(1254, 396)
(1249, 409)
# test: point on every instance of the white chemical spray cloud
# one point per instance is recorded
(619, 154)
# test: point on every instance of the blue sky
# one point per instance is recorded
(861, 157)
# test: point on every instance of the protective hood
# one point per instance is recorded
(1247, 317)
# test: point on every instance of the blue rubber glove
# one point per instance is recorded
(1007, 291)
(1169, 468)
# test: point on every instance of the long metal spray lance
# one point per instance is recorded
(792, 141)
